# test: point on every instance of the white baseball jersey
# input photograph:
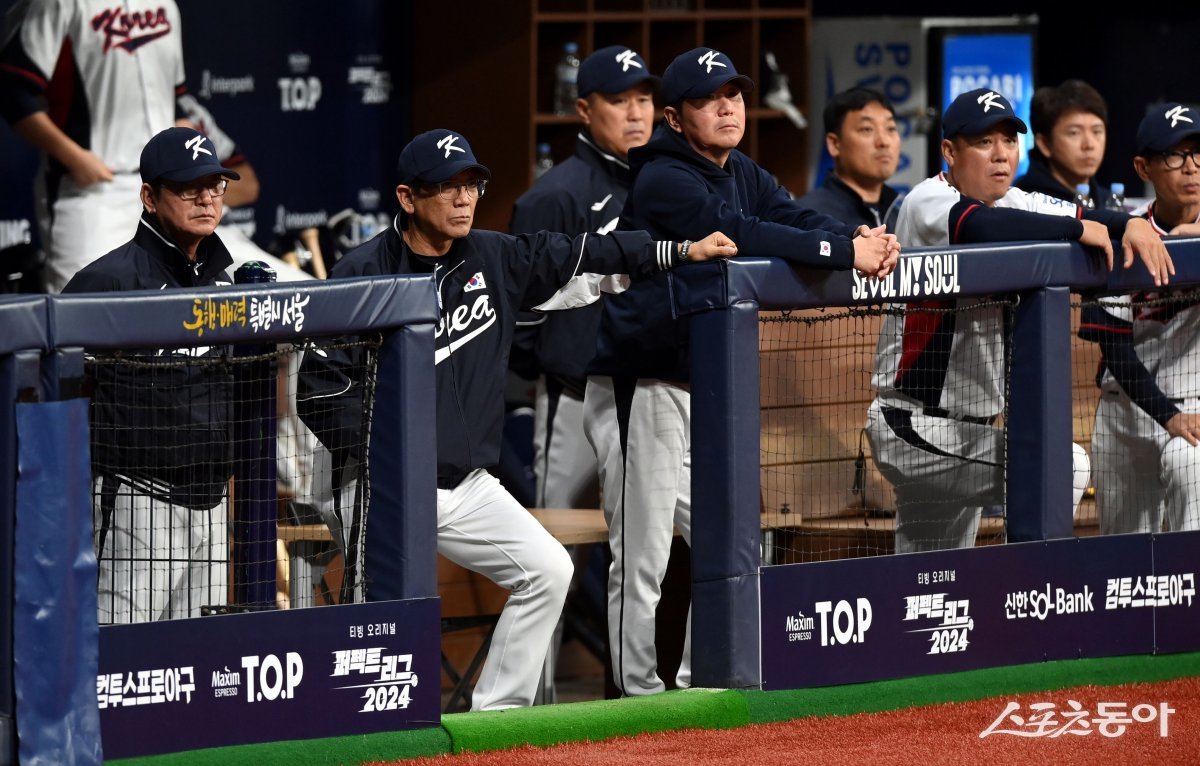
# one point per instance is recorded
(954, 360)
(109, 70)
(1165, 336)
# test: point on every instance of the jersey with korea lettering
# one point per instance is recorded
(109, 72)
(948, 356)
(482, 281)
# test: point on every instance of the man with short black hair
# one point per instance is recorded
(584, 193)
(861, 137)
(1070, 131)
(161, 430)
(939, 372)
(1146, 441)
(483, 279)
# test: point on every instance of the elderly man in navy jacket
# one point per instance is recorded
(483, 279)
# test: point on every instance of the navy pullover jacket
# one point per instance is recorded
(678, 194)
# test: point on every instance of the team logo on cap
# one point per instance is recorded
(989, 99)
(626, 59)
(710, 60)
(193, 143)
(475, 283)
(447, 143)
(1176, 115)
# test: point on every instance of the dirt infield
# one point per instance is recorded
(1059, 727)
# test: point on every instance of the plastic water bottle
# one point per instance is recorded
(566, 87)
(1116, 198)
(543, 162)
(1083, 197)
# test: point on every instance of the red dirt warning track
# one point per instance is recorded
(926, 736)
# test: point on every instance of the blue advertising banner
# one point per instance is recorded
(1169, 589)
(918, 614)
(1002, 62)
(268, 676)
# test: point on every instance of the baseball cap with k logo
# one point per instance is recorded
(181, 155)
(437, 156)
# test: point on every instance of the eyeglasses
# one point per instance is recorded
(1175, 160)
(193, 191)
(450, 190)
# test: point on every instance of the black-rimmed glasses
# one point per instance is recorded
(1174, 160)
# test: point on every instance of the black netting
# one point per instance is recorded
(197, 452)
(883, 418)
(1136, 395)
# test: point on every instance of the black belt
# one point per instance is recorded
(938, 412)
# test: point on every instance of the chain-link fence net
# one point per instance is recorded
(1137, 393)
(883, 429)
(192, 446)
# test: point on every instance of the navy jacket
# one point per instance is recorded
(166, 423)
(1040, 179)
(677, 194)
(584, 193)
(482, 282)
(834, 198)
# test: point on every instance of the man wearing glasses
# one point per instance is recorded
(161, 438)
(483, 279)
(1144, 445)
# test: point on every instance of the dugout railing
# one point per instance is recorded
(257, 675)
(813, 625)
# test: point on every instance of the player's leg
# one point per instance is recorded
(1126, 463)
(683, 521)
(1181, 479)
(565, 462)
(202, 550)
(606, 416)
(655, 440)
(943, 472)
(129, 589)
(482, 528)
(111, 524)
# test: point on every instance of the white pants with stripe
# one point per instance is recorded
(564, 462)
(157, 561)
(944, 472)
(1142, 471)
(642, 436)
(482, 528)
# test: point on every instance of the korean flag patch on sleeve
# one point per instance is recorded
(826, 249)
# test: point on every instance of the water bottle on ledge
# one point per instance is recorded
(566, 76)
(543, 162)
(1083, 197)
(1116, 197)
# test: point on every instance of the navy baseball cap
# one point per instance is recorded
(1165, 126)
(614, 69)
(437, 155)
(699, 72)
(976, 111)
(181, 155)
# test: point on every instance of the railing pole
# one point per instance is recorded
(725, 498)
